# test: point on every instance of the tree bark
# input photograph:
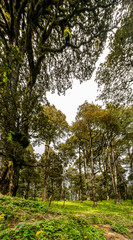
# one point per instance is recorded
(93, 180)
(27, 190)
(44, 194)
(86, 179)
(113, 171)
(80, 178)
(63, 185)
(4, 181)
(106, 177)
(14, 179)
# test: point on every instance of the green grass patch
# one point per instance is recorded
(106, 212)
(28, 219)
(61, 229)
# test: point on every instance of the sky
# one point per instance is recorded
(74, 97)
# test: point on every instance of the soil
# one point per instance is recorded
(111, 235)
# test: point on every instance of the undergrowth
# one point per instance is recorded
(28, 219)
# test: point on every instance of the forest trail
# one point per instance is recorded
(112, 235)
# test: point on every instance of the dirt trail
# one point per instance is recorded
(111, 235)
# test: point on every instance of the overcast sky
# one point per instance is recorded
(74, 97)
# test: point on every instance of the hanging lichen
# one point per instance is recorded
(97, 43)
(10, 136)
(10, 163)
(67, 33)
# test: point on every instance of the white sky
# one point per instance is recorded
(74, 97)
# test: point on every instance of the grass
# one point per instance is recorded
(28, 220)
(106, 211)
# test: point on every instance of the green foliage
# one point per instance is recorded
(51, 124)
(63, 228)
(17, 212)
(114, 79)
(120, 228)
(95, 219)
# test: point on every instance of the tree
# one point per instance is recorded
(66, 154)
(102, 135)
(72, 176)
(37, 55)
(76, 144)
(87, 129)
(115, 122)
(29, 176)
(127, 143)
(51, 126)
(115, 76)
(51, 175)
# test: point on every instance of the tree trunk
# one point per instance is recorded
(106, 185)
(80, 179)
(14, 179)
(76, 195)
(113, 171)
(71, 196)
(10, 179)
(93, 180)
(16, 170)
(44, 194)
(86, 180)
(63, 186)
(106, 177)
(35, 191)
(27, 190)
(5, 181)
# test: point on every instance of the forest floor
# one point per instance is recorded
(112, 235)
(27, 220)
